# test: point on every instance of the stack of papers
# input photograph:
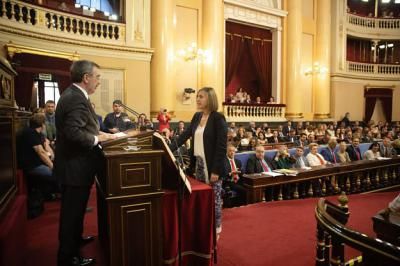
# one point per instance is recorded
(287, 172)
(273, 174)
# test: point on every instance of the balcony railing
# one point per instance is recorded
(37, 19)
(374, 23)
(378, 70)
(239, 112)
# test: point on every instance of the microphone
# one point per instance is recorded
(130, 110)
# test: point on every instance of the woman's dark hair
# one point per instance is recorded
(374, 144)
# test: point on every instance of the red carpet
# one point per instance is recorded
(283, 233)
(275, 233)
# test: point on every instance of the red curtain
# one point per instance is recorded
(262, 57)
(28, 66)
(243, 57)
(234, 52)
(371, 95)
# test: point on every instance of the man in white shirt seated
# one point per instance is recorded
(313, 157)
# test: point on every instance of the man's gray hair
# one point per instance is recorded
(80, 68)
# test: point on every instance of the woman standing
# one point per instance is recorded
(163, 119)
(208, 133)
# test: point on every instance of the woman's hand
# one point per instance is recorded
(214, 178)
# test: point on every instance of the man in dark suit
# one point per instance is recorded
(258, 163)
(302, 141)
(292, 136)
(286, 129)
(232, 174)
(329, 152)
(77, 157)
(354, 150)
(386, 149)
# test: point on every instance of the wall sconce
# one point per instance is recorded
(316, 69)
(186, 97)
(193, 53)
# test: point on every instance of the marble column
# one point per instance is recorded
(162, 65)
(321, 74)
(294, 99)
(213, 40)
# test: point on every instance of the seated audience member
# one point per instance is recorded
(354, 150)
(396, 145)
(252, 128)
(100, 119)
(163, 119)
(302, 141)
(271, 100)
(265, 126)
(166, 133)
(299, 127)
(367, 137)
(311, 138)
(248, 99)
(280, 132)
(275, 138)
(258, 163)
(244, 98)
(301, 160)
(35, 157)
(268, 133)
(258, 100)
(241, 133)
(252, 144)
(144, 123)
(180, 129)
(261, 138)
(329, 152)
(232, 127)
(372, 152)
(342, 154)
(244, 142)
(331, 130)
(292, 136)
(386, 148)
(283, 159)
(232, 174)
(117, 121)
(313, 157)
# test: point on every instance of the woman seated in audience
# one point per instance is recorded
(283, 159)
(244, 142)
(243, 99)
(331, 130)
(313, 157)
(261, 138)
(248, 99)
(321, 130)
(342, 154)
(311, 138)
(252, 144)
(268, 134)
(309, 130)
(373, 152)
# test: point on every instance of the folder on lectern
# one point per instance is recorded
(170, 166)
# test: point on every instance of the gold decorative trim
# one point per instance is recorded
(64, 40)
(322, 116)
(294, 115)
(13, 49)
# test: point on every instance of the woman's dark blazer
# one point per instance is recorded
(214, 139)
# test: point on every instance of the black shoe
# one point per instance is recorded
(86, 239)
(80, 261)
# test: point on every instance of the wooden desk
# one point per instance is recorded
(358, 176)
(387, 228)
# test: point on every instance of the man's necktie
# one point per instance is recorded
(233, 167)
(357, 153)
(333, 156)
(265, 166)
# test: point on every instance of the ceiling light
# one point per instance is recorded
(385, 1)
(390, 45)
(381, 46)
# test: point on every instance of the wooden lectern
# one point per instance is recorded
(129, 195)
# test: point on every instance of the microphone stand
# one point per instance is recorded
(180, 201)
(130, 110)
